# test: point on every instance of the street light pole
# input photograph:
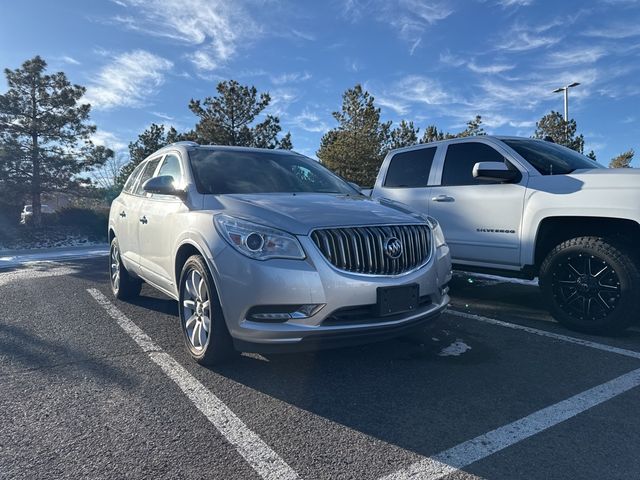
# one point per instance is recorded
(565, 90)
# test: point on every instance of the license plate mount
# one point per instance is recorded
(397, 299)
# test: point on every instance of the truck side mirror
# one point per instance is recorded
(496, 171)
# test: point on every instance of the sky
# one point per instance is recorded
(433, 62)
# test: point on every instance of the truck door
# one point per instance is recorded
(480, 219)
(406, 178)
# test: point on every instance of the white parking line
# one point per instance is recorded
(544, 333)
(255, 451)
(40, 271)
(463, 455)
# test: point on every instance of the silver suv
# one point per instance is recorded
(267, 250)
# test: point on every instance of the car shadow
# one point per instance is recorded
(21, 351)
(391, 390)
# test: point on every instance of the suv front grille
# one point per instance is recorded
(368, 250)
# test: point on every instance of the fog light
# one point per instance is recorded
(282, 313)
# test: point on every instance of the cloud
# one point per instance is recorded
(409, 18)
(616, 32)
(417, 89)
(514, 3)
(128, 80)
(310, 122)
(216, 27)
(109, 140)
(521, 38)
(495, 68)
(290, 78)
(69, 60)
(575, 56)
(450, 59)
(398, 106)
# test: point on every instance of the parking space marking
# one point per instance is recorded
(267, 463)
(34, 272)
(464, 454)
(544, 333)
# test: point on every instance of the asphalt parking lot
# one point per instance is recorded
(96, 388)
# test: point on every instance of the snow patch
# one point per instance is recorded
(495, 279)
(456, 349)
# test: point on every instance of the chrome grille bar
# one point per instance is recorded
(362, 249)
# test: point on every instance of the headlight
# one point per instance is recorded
(438, 235)
(257, 241)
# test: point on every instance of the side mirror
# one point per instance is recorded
(162, 185)
(496, 171)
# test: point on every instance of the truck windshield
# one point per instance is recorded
(549, 158)
(221, 171)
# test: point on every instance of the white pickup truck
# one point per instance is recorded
(524, 207)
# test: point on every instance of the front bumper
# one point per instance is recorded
(244, 283)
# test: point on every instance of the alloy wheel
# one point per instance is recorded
(586, 287)
(114, 267)
(196, 306)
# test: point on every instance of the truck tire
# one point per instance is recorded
(591, 285)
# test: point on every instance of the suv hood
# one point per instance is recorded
(302, 212)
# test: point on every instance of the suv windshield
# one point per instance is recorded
(238, 171)
(550, 158)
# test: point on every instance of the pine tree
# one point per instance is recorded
(431, 134)
(623, 160)
(404, 135)
(229, 118)
(563, 133)
(474, 128)
(44, 134)
(356, 147)
(152, 139)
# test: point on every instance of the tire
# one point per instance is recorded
(591, 285)
(123, 285)
(201, 319)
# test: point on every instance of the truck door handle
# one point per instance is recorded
(123, 214)
(144, 220)
(443, 198)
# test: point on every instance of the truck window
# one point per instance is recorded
(460, 159)
(410, 169)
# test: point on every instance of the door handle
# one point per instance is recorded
(443, 198)
(123, 214)
(144, 220)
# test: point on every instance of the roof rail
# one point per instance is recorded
(187, 143)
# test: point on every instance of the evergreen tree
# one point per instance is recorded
(563, 133)
(356, 147)
(44, 134)
(229, 118)
(474, 128)
(623, 160)
(153, 138)
(404, 135)
(431, 134)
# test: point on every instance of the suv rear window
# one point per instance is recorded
(410, 169)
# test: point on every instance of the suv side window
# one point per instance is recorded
(460, 159)
(128, 186)
(410, 169)
(147, 173)
(171, 167)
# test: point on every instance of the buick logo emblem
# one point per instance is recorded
(393, 247)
